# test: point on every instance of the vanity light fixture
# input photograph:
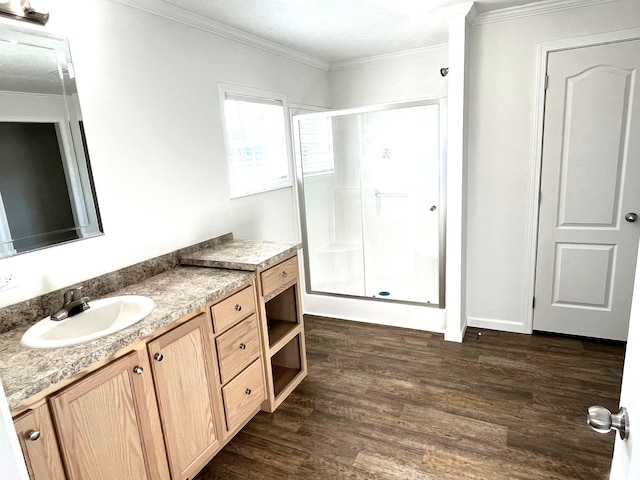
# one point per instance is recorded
(24, 10)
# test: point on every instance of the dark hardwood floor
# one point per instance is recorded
(388, 403)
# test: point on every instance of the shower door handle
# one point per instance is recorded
(391, 195)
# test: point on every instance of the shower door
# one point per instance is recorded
(371, 201)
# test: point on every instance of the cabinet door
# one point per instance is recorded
(182, 365)
(39, 445)
(108, 424)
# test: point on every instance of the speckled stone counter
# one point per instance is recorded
(251, 255)
(26, 372)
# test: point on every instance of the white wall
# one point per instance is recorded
(389, 78)
(149, 98)
(501, 147)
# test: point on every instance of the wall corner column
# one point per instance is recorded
(456, 171)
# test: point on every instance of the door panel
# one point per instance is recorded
(586, 251)
(593, 144)
(626, 454)
(583, 275)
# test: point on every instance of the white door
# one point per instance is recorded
(590, 181)
(626, 455)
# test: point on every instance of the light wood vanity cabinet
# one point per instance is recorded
(283, 339)
(159, 412)
(108, 423)
(39, 444)
(183, 370)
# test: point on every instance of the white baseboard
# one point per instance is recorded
(455, 335)
(497, 324)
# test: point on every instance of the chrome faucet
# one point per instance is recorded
(74, 303)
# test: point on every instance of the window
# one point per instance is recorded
(316, 145)
(256, 140)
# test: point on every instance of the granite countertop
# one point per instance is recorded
(250, 255)
(26, 372)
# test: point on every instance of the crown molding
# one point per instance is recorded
(467, 10)
(376, 59)
(170, 12)
(545, 6)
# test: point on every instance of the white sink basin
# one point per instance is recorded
(104, 317)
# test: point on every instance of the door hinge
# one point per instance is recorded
(533, 303)
(546, 81)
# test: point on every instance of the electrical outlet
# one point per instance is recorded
(7, 281)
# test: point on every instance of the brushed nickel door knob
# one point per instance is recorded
(33, 435)
(601, 420)
(138, 370)
(158, 357)
(631, 217)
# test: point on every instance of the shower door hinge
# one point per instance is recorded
(546, 81)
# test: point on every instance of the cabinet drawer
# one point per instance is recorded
(243, 395)
(237, 348)
(279, 276)
(233, 309)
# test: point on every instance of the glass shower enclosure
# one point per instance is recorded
(371, 189)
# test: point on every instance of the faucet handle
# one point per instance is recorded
(73, 294)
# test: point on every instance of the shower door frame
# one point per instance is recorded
(442, 207)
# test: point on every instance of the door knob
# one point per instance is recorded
(602, 420)
(631, 217)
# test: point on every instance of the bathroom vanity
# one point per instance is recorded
(279, 303)
(159, 399)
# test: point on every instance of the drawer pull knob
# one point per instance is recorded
(158, 357)
(138, 370)
(238, 308)
(33, 435)
(248, 391)
(284, 274)
(243, 346)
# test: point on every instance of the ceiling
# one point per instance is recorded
(340, 30)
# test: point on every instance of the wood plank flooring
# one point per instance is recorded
(387, 403)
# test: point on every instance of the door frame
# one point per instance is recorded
(543, 51)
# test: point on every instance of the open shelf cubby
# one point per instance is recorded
(282, 316)
(286, 364)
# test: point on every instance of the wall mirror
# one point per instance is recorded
(47, 196)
